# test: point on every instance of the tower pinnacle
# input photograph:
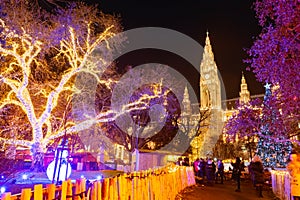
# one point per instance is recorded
(186, 101)
(208, 53)
(244, 93)
(210, 89)
(210, 98)
(207, 41)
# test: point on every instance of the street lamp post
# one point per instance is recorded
(137, 133)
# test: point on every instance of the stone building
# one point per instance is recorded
(211, 98)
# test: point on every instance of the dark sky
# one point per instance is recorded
(231, 24)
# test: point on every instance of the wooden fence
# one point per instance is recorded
(160, 184)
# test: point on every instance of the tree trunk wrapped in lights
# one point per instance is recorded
(40, 56)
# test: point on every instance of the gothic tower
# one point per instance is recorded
(186, 102)
(210, 98)
(244, 93)
(210, 89)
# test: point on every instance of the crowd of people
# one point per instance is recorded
(209, 172)
(206, 170)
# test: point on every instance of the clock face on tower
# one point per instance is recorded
(206, 76)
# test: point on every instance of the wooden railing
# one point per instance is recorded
(159, 184)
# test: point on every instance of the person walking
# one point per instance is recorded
(293, 168)
(209, 171)
(196, 169)
(236, 173)
(186, 162)
(202, 166)
(220, 172)
(257, 174)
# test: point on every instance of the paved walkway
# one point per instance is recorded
(224, 192)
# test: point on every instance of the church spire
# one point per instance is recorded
(244, 93)
(208, 49)
(210, 89)
(186, 101)
(207, 41)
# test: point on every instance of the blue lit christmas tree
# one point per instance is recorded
(270, 147)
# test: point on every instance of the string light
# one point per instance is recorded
(23, 50)
(272, 150)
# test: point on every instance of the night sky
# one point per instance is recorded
(231, 24)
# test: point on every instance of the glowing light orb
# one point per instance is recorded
(64, 172)
(24, 176)
(2, 190)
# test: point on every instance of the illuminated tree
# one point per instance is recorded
(244, 125)
(2, 40)
(272, 146)
(274, 57)
(39, 60)
(43, 57)
(256, 125)
(225, 149)
(151, 115)
(193, 128)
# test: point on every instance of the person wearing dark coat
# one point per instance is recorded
(257, 174)
(236, 173)
(220, 171)
(210, 171)
(186, 162)
(202, 166)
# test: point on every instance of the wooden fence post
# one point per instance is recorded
(26, 194)
(158, 187)
(116, 193)
(140, 186)
(162, 185)
(94, 191)
(175, 181)
(182, 182)
(154, 186)
(64, 187)
(192, 176)
(38, 192)
(111, 188)
(99, 190)
(143, 178)
(121, 187)
(50, 191)
(169, 186)
(147, 179)
(136, 185)
(77, 190)
(6, 196)
(179, 171)
(69, 190)
(129, 185)
(105, 189)
(151, 186)
(83, 187)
